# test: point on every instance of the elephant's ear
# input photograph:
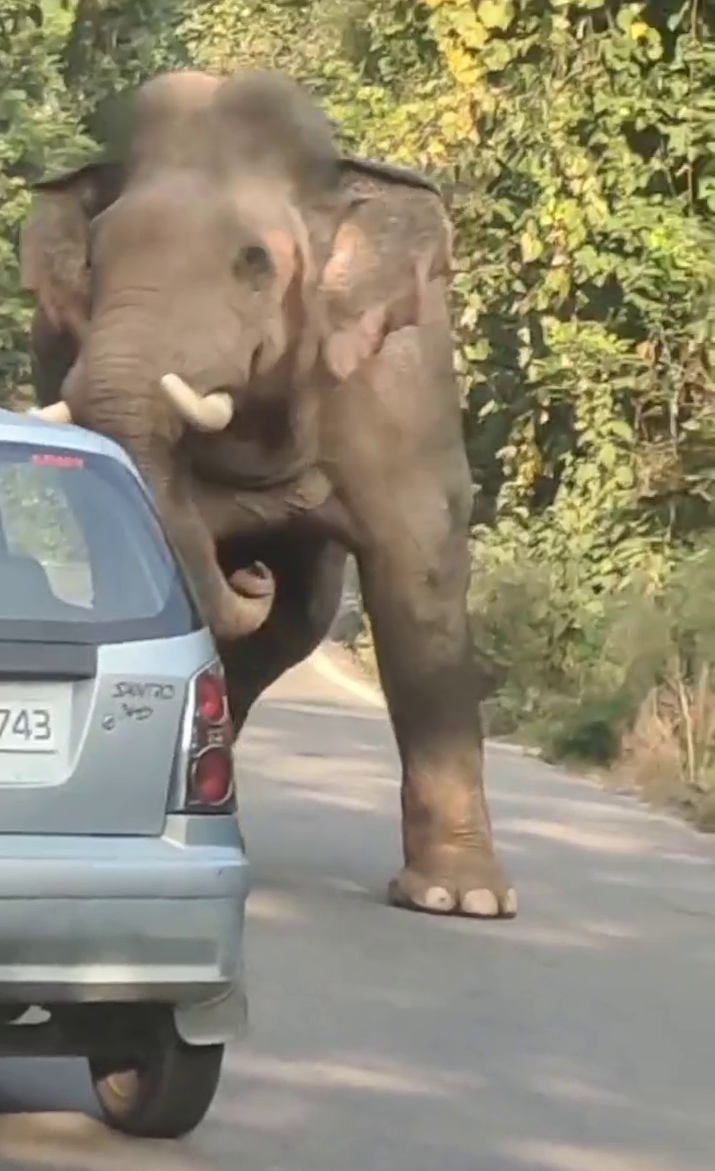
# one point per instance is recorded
(393, 240)
(54, 241)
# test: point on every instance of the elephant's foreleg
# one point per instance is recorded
(414, 587)
(409, 486)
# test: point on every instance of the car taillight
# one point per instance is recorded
(210, 694)
(210, 781)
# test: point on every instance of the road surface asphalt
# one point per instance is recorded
(579, 1037)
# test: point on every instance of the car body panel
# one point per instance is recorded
(111, 892)
(113, 770)
(91, 918)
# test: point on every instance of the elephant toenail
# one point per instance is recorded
(483, 903)
(438, 899)
(511, 903)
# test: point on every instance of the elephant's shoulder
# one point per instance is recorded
(373, 176)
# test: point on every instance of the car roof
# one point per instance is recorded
(25, 428)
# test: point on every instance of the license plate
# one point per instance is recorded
(28, 727)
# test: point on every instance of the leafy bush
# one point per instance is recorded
(634, 682)
(37, 128)
(59, 59)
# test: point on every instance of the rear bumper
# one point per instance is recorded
(126, 919)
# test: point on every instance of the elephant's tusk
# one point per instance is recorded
(54, 413)
(212, 413)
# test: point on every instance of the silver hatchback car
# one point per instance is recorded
(123, 879)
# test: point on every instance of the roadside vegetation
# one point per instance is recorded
(576, 146)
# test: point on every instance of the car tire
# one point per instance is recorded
(166, 1094)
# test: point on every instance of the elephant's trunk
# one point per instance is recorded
(116, 398)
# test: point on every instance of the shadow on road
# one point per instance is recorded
(576, 1038)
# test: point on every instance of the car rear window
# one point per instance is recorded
(82, 555)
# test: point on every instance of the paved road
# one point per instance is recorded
(578, 1038)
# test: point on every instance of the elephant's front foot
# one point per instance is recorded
(455, 881)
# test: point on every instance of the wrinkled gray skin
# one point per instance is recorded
(233, 247)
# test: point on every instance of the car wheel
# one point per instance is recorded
(164, 1094)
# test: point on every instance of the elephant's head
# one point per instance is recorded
(223, 242)
(223, 250)
(190, 253)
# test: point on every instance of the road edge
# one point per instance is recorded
(371, 694)
(328, 669)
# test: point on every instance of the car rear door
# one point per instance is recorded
(98, 642)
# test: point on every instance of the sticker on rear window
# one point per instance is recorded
(53, 459)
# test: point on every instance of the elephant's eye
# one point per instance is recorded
(252, 261)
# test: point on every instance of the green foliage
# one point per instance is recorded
(36, 126)
(646, 661)
(602, 251)
(110, 47)
(58, 60)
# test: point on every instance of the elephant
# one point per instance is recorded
(263, 322)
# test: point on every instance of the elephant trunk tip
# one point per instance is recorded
(210, 413)
(254, 591)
